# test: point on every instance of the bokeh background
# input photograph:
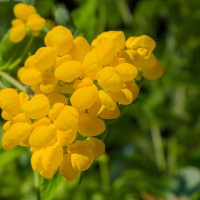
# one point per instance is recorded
(153, 149)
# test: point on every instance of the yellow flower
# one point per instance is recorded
(82, 155)
(35, 22)
(38, 140)
(68, 71)
(84, 97)
(9, 101)
(17, 133)
(37, 107)
(23, 11)
(17, 33)
(66, 137)
(61, 38)
(90, 125)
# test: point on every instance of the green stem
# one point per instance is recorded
(37, 183)
(172, 154)
(12, 81)
(158, 147)
(19, 60)
(104, 171)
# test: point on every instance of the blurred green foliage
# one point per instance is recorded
(153, 150)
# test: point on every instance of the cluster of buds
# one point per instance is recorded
(76, 87)
(27, 21)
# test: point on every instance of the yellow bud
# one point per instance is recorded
(84, 97)
(23, 98)
(97, 145)
(16, 22)
(126, 71)
(23, 11)
(66, 169)
(61, 38)
(35, 22)
(17, 133)
(80, 48)
(68, 71)
(29, 63)
(17, 33)
(90, 125)
(81, 155)
(38, 107)
(66, 137)
(21, 117)
(42, 135)
(52, 157)
(109, 80)
(86, 82)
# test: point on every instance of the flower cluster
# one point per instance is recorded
(27, 21)
(76, 87)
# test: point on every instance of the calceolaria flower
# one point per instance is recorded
(76, 87)
(27, 21)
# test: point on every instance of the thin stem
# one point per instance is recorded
(158, 147)
(37, 183)
(12, 81)
(105, 176)
(17, 62)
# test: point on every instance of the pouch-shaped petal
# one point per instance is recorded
(17, 133)
(141, 41)
(35, 22)
(61, 38)
(55, 110)
(9, 101)
(97, 145)
(36, 160)
(42, 135)
(5, 115)
(66, 169)
(106, 100)
(83, 98)
(91, 65)
(80, 48)
(66, 137)
(153, 73)
(126, 71)
(109, 80)
(52, 157)
(17, 33)
(110, 114)
(105, 51)
(90, 125)
(68, 71)
(67, 119)
(23, 11)
(124, 97)
(45, 58)
(38, 107)
(81, 155)
(48, 174)
(30, 76)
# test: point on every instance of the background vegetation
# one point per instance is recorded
(153, 150)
